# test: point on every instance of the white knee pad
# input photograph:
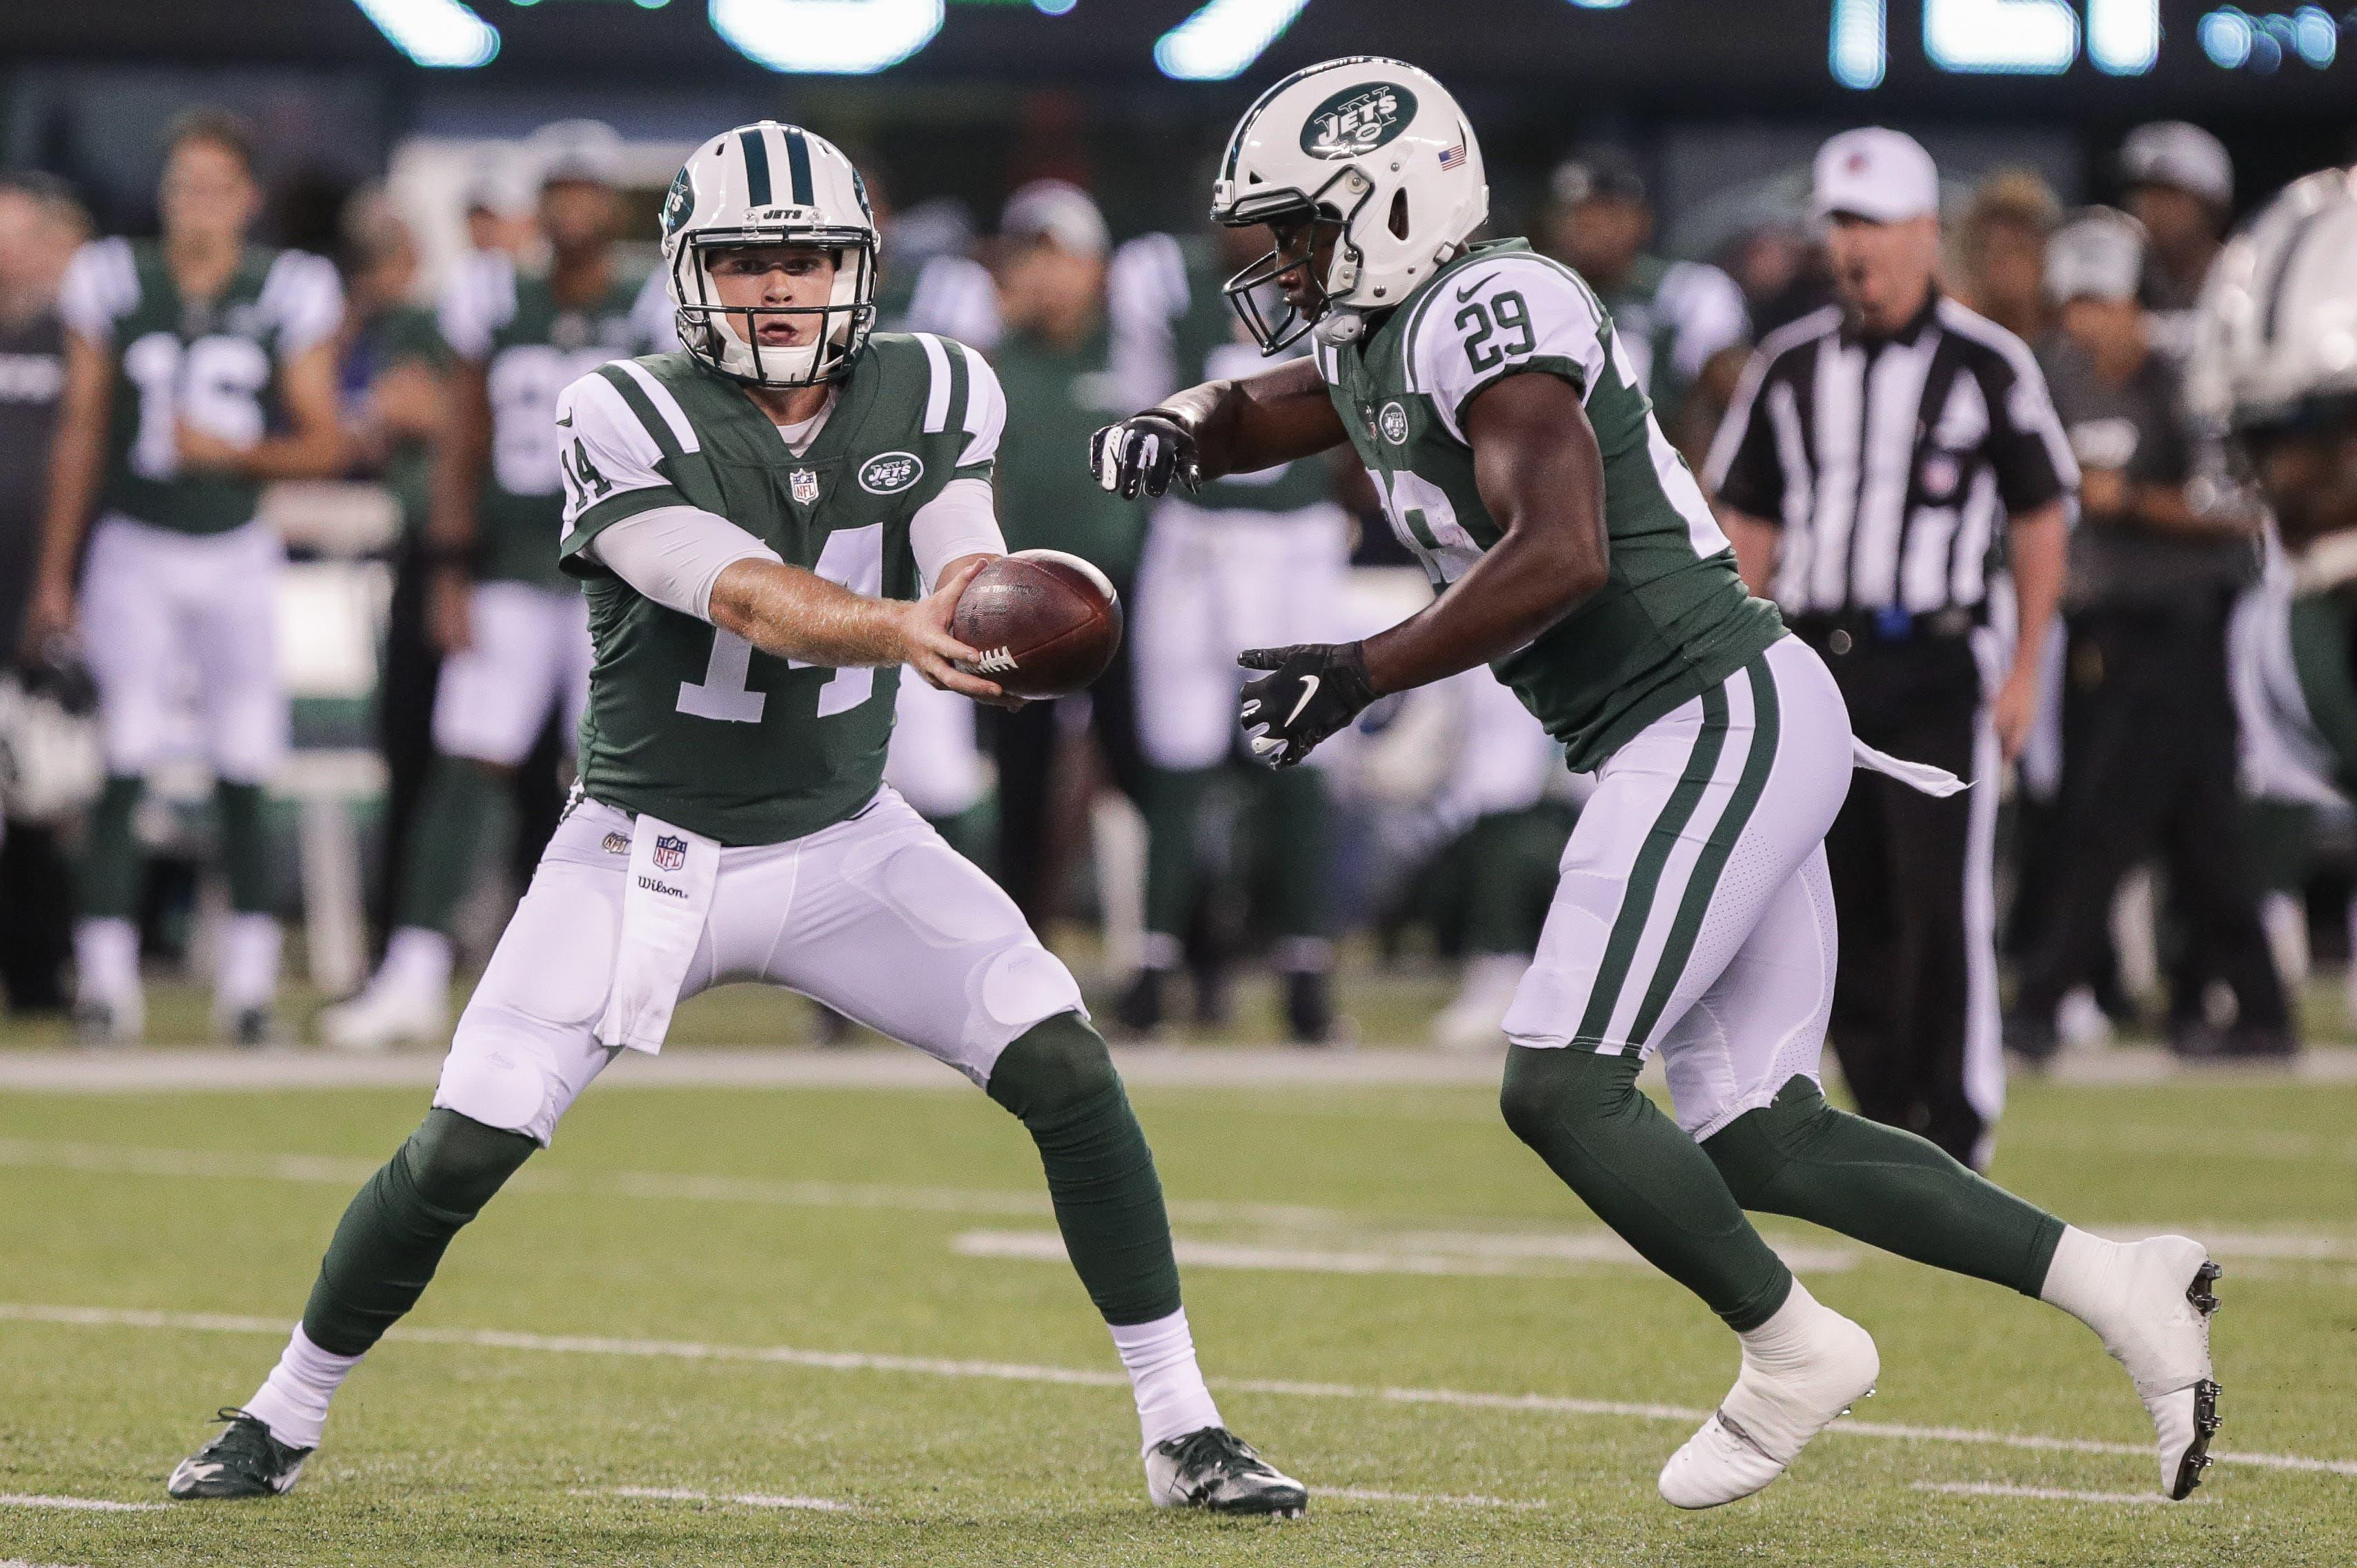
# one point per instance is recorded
(1553, 992)
(501, 1081)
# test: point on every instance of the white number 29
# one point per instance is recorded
(853, 558)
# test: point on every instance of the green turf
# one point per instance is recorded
(444, 1455)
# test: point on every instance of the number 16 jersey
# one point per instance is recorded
(1672, 620)
(689, 723)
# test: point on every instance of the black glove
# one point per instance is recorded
(1314, 689)
(1143, 453)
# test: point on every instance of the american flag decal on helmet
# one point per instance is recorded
(1451, 156)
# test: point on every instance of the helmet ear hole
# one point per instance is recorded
(1399, 214)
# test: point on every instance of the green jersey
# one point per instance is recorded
(405, 335)
(212, 364)
(691, 724)
(530, 348)
(1672, 620)
(1047, 498)
(1173, 327)
(1671, 318)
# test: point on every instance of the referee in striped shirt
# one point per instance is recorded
(1887, 464)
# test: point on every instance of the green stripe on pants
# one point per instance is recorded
(1645, 875)
(1712, 862)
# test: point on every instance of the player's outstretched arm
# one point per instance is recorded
(1541, 476)
(1219, 428)
(796, 614)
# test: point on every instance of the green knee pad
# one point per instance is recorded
(245, 847)
(462, 802)
(1059, 1081)
(111, 857)
(1799, 1157)
(394, 1234)
(1583, 1114)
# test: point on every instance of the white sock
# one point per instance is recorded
(248, 974)
(2086, 1278)
(293, 1400)
(416, 959)
(106, 959)
(1171, 1398)
(1783, 1341)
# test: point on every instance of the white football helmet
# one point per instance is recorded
(2276, 334)
(1373, 147)
(769, 184)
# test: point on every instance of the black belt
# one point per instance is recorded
(1838, 634)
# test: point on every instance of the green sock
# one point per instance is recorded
(446, 845)
(245, 847)
(1298, 861)
(1058, 1079)
(1643, 1177)
(1174, 806)
(111, 861)
(1888, 1189)
(393, 1235)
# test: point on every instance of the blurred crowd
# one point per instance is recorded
(2154, 843)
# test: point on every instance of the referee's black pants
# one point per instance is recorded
(1914, 1016)
(2148, 759)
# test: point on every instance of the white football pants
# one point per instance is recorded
(1211, 584)
(531, 654)
(1696, 915)
(875, 917)
(177, 621)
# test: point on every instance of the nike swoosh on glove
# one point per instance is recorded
(1312, 690)
(1143, 455)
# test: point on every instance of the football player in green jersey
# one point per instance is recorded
(1570, 549)
(769, 523)
(514, 631)
(198, 369)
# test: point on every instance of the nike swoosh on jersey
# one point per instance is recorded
(1466, 292)
(1308, 690)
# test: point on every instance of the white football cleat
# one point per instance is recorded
(1216, 1470)
(2157, 1327)
(1823, 1364)
(386, 1014)
(1476, 1019)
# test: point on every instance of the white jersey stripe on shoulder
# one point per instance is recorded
(986, 410)
(665, 405)
(936, 398)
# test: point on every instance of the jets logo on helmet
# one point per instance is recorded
(769, 185)
(1369, 174)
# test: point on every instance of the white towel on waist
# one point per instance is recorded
(663, 909)
(1919, 776)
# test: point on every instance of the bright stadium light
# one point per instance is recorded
(1224, 38)
(826, 37)
(2124, 35)
(1857, 52)
(2011, 37)
(2226, 38)
(439, 32)
(2315, 35)
(1600, 5)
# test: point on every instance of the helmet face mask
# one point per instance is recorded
(770, 186)
(1375, 159)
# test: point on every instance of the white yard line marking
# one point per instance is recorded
(1437, 1499)
(1434, 1253)
(2048, 1494)
(87, 1505)
(688, 1494)
(1087, 1377)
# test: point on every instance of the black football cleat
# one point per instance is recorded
(1143, 1005)
(1309, 1007)
(243, 1461)
(1216, 1470)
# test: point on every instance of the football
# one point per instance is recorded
(1046, 623)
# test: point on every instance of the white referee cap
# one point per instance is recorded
(1875, 173)
(2098, 254)
(1058, 211)
(2174, 153)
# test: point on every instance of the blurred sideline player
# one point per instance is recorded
(199, 367)
(2177, 180)
(748, 702)
(514, 631)
(1252, 560)
(1486, 388)
(1685, 324)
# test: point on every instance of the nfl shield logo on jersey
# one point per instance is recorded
(804, 485)
(671, 852)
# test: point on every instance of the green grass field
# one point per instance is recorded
(783, 1294)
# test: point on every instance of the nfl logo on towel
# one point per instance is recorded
(671, 853)
(805, 486)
